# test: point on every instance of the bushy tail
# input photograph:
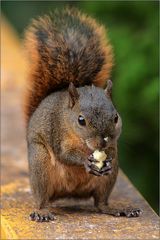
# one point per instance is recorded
(62, 48)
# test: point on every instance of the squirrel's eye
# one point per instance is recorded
(81, 120)
(116, 118)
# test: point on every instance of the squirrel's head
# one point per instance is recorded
(92, 115)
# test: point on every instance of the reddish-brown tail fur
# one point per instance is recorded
(65, 47)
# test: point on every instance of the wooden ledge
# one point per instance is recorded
(76, 220)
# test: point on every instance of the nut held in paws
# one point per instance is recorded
(99, 157)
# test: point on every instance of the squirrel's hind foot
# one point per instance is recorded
(42, 217)
(126, 212)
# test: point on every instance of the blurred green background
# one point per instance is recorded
(133, 31)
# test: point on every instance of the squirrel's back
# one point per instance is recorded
(65, 47)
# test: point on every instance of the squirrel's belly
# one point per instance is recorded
(76, 182)
(70, 180)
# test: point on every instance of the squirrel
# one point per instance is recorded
(69, 112)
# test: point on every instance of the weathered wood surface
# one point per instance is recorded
(75, 219)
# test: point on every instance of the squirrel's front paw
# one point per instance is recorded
(107, 168)
(91, 167)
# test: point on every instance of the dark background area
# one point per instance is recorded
(133, 31)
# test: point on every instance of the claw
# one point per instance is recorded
(35, 216)
(107, 164)
(109, 159)
(132, 212)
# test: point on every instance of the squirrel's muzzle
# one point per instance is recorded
(97, 143)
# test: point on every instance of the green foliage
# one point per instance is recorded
(133, 31)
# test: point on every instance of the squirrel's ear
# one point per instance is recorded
(73, 95)
(108, 89)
